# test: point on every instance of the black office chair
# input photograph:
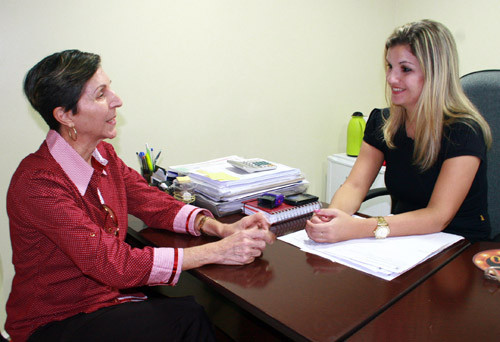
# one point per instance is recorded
(483, 90)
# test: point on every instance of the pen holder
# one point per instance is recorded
(146, 173)
(183, 190)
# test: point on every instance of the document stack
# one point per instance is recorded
(222, 187)
(383, 258)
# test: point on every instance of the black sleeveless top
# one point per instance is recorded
(411, 189)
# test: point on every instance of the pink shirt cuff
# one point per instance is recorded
(184, 220)
(167, 263)
(167, 266)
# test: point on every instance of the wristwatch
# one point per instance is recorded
(382, 230)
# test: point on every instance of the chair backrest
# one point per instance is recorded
(483, 90)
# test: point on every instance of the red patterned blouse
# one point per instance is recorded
(64, 259)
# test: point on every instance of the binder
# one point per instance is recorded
(220, 181)
(282, 213)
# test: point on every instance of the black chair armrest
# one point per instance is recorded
(376, 192)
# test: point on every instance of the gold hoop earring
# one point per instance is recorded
(73, 136)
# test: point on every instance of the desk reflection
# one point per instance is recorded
(322, 265)
(450, 285)
(254, 275)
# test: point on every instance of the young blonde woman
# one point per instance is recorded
(433, 140)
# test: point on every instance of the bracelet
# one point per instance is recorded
(202, 223)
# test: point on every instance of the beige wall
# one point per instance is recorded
(203, 79)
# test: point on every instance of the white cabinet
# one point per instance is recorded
(339, 167)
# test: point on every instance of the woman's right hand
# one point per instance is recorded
(331, 225)
(243, 246)
(239, 248)
(322, 215)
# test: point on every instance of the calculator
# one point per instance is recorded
(252, 165)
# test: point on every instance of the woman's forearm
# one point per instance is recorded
(347, 198)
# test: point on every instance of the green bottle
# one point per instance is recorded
(355, 132)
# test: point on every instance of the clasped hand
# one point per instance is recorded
(245, 240)
(330, 225)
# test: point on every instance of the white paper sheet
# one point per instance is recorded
(383, 258)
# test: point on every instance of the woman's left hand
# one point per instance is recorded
(256, 220)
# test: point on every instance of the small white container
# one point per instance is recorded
(184, 189)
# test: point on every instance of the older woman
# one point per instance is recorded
(434, 143)
(68, 205)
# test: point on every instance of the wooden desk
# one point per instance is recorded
(455, 304)
(289, 294)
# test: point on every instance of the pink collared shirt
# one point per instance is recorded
(65, 261)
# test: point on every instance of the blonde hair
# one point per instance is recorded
(442, 100)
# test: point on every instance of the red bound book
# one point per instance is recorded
(283, 212)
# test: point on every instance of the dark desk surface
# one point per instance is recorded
(303, 296)
(455, 304)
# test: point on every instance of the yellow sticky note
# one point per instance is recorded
(184, 179)
(218, 176)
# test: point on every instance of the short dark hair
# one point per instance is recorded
(58, 81)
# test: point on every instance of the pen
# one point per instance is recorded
(151, 156)
(148, 151)
(144, 165)
(139, 157)
(149, 163)
(156, 158)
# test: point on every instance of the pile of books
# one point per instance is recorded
(222, 188)
(283, 212)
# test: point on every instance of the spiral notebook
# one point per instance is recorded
(283, 212)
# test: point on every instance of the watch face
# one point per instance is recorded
(381, 232)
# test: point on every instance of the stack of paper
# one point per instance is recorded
(384, 258)
(222, 188)
(226, 207)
